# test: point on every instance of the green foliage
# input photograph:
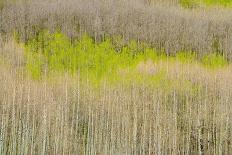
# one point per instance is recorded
(55, 53)
(218, 2)
(186, 57)
(34, 64)
(189, 3)
(195, 3)
(214, 61)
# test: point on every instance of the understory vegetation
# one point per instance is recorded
(55, 52)
(89, 77)
(197, 3)
(63, 96)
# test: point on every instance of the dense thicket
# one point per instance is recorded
(157, 107)
(172, 29)
(99, 95)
